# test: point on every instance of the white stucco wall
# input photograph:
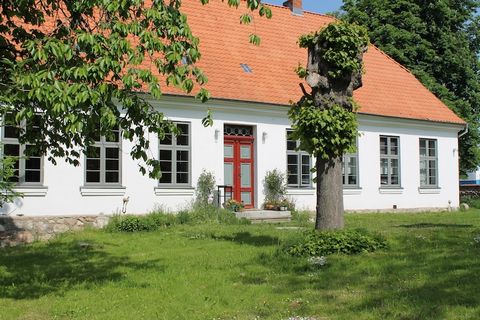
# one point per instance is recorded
(64, 193)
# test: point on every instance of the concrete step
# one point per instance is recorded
(268, 216)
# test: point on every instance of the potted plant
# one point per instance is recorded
(233, 205)
(275, 189)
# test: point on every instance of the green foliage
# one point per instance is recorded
(160, 220)
(274, 186)
(340, 46)
(316, 243)
(81, 65)
(325, 133)
(439, 42)
(205, 188)
(7, 171)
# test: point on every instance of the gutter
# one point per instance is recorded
(464, 132)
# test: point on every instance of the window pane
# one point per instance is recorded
(292, 159)
(183, 127)
(182, 140)
(93, 176)
(246, 197)
(32, 163)
(291, 145)
(305, 179)
(93, 164)
(166, 177)
(228, 151)
(113, 136)
(112, 165)
(165, 166)
(11, 150)
(423, 148)
(352, 180)
(93, 152)
(182, 166)
(182, 155)
(383, 145)
(182, 177)
(394, 146)
(167, 140)
(112, 153)
(245, 171)
(383, 171)
(10, 129)
(245, 152)
(423, 172)
(112, 177)
(432, 148)
(165, 155)
(228, 174)
(32, 175)
(293, 179)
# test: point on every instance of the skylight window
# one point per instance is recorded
(246, 68)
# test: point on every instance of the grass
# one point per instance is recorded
(430, 271)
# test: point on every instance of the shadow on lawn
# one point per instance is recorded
(248, 238)
(433, 274)
(34, 271)
(435, 225)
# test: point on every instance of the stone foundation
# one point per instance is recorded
(16, 230)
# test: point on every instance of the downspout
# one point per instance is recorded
(464, 132)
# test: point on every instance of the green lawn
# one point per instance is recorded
(430, 271)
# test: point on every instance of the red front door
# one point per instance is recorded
(239, 168)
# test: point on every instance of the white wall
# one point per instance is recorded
(64, 193)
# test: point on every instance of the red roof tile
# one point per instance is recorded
(388, 88)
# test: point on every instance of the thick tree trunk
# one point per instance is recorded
(329, 194)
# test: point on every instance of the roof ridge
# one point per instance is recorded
(305, 11)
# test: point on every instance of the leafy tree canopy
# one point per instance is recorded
(70, 65)
(439, 41)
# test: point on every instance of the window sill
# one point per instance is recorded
(165, 191)
(390, 190)
(352, 191)
(432, 190)
(300, 191)
(32, 191)
(88, 191)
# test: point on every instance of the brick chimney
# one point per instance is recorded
(295, 6)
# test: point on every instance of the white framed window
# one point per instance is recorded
(389, 161)
(350, 171)
(103, 161)
(299, 165)
(428, 163)
(175, 157)
(28, 169)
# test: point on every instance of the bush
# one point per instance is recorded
(274, 186)
(315, 243)
(205, 188)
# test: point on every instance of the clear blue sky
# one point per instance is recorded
(321, 6)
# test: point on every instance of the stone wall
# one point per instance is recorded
(472, 191)
(16, 230)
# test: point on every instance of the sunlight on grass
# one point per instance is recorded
(212, 271)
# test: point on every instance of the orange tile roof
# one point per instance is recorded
(388, 88)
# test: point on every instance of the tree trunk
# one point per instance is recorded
(329, 194)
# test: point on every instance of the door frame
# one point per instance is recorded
(237, 141)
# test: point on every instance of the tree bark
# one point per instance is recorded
(329, 194)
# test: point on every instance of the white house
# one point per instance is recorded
(407, 154)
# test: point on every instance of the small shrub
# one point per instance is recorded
(349, 242)
(274, 186)
(205, 188)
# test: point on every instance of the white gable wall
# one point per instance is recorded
(64, 193)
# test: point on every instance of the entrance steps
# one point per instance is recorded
(265, 216)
